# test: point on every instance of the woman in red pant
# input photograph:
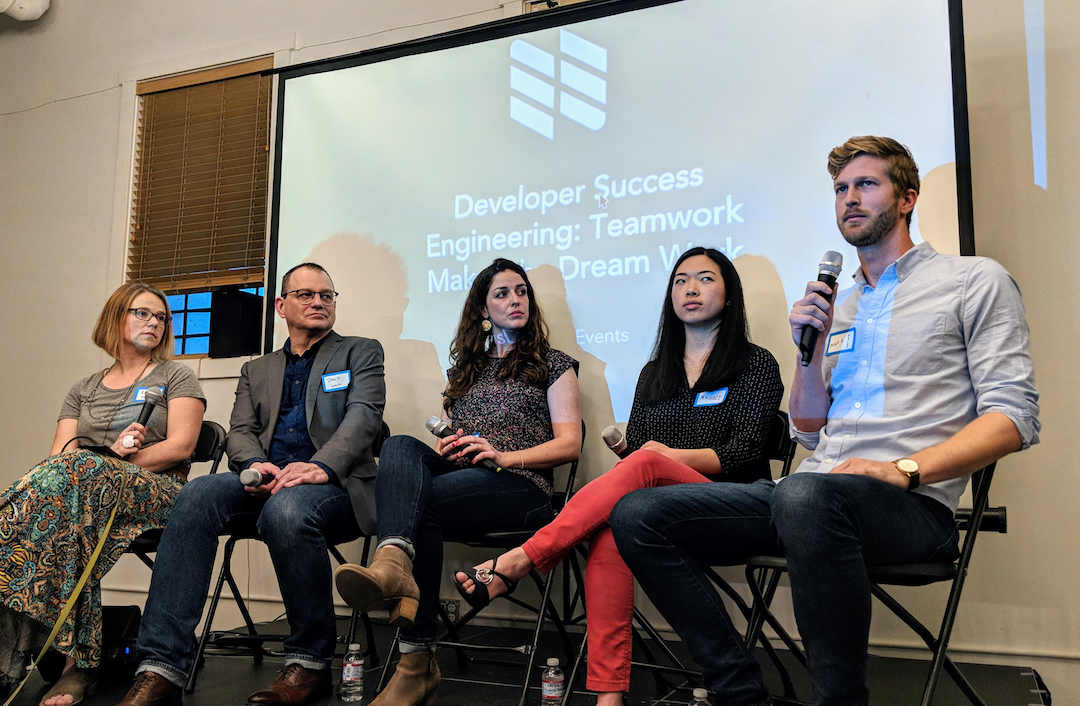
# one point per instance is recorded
(702, 412)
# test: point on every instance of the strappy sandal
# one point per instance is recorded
(479, 597)
(76, 683)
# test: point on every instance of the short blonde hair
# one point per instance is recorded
(899, 164)
(109, 330)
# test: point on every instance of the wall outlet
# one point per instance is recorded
(453, 608)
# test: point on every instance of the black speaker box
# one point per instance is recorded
(120, 630)
(235, 323)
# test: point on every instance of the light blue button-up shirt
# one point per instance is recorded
(940, 341)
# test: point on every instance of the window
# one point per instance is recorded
(199, 206)
(193, 318)
(191, 322)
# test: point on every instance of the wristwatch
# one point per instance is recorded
(909, 468)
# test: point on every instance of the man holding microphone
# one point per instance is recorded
(920, 375)
(304, 421)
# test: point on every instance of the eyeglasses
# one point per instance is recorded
(146, 315)
(306, 296)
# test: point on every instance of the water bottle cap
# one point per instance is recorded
(701, 693)
(553, 662)
(354, 647)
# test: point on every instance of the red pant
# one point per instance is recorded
(609, 585)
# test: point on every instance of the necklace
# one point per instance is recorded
(119, 404)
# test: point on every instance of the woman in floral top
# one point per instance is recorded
(512, 401)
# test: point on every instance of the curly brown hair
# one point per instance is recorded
(472, 346)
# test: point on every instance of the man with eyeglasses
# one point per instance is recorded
(305, 418)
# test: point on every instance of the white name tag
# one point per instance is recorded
(332, 382)
(140, 392)
(840, 341)
(710, 399)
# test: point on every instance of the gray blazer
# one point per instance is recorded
(342, 424)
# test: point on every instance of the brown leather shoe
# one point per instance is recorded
(151, 689)
(295, 686)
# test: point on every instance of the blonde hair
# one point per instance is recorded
(108, 332)
(899, 164)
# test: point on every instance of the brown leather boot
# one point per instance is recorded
(387, 583)
(414, 683)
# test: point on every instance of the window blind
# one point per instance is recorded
(200, 188)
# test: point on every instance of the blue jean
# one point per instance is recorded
(296, 524)
(424, 500)
(829, 526)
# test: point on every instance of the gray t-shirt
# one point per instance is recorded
(103, 413)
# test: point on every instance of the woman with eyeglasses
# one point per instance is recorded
(702, 412)
(511, 401)
(51, 518)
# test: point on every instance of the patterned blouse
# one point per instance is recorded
(734, 420)
(511, 414)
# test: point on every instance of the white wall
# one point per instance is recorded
(65, 140)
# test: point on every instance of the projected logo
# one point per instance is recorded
(578, 61)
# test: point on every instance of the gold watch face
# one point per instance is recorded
(907, 465)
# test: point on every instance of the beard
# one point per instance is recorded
(875, 229)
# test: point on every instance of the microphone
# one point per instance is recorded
(151, 398)
(438, 427)
(615, 441)
(252, 478)
(828, 270)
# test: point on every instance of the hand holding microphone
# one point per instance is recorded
(252, 478)
(130, 443)
(815, 309)
(439, 428)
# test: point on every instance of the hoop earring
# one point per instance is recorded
(486, 325)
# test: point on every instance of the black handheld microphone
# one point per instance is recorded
(253, 479)
(615, 441)
(438, 427)
(828, 271)
(151, 398)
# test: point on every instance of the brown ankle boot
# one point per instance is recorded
(414, 683)
(387, 583)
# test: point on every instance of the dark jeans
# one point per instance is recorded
(829, 526)
(426, 500)
(296, 524)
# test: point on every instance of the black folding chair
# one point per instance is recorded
(779, 447)
(254, 640)
(504, 541)
(979, 517)
(210, 448)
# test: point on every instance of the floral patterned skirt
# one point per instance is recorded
(50, 522)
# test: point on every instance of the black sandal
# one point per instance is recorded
(480, 598)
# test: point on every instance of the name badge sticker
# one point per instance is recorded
(840, 342)
(140, 392)
(711, 399)
(332, 382)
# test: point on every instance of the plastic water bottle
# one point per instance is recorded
(352, 675)
(701, 698)
(552, 682)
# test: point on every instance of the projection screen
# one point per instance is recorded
(593, 145)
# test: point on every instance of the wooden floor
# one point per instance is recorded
(228, 679)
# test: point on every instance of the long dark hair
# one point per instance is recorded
(527, 360)
(664, 374)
